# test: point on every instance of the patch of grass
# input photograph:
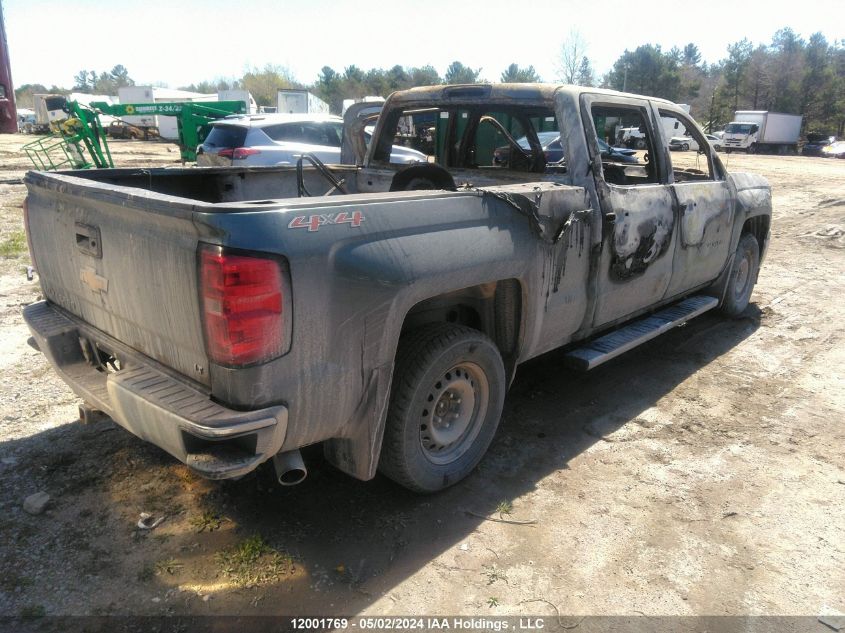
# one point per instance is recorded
(169, 566)
(494, 574)
(492, 601)
(13, 245)
(33, 611)
(253, 562)
(504, 507)
(207, 521)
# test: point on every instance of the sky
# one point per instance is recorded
(180, 42)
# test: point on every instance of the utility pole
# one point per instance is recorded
(710, 118)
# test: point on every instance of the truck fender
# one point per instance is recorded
(753, 210)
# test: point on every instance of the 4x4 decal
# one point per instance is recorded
(314, 222)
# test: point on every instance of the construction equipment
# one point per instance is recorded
(78, 139)
(193, 118)
(74, 136)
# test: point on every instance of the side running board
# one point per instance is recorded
(617, 342)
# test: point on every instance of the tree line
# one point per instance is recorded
(789, 74)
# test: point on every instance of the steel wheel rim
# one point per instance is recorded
(743, 274)
(453, 412)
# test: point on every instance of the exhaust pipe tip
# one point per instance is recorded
(289, 467)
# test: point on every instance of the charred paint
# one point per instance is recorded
(636, 244)
(570, 238)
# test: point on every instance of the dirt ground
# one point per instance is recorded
(702, 473)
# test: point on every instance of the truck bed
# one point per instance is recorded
(121, 256)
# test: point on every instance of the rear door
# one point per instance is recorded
(637, 206)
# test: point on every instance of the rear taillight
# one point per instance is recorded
(243, 305)
(237, 153)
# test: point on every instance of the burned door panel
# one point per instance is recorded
(642, 233)
(705, 223)
(635, 267)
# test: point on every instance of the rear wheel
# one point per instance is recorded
(743, 276)
(445, 403)
(420, 184)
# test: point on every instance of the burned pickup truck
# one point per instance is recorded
(233, 316)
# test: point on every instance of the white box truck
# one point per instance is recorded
(48, 108)
(761, 131)
(239, 95)
(300, 102)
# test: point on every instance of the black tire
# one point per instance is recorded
(743, 276)
(752, 149)
(453, 370)
(422, 177)
(640, 143)
(421, 184)
(685, 147)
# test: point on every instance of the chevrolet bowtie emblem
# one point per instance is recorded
(94, 281)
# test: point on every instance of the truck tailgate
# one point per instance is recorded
(124, 261)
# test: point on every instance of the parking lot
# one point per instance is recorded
(702, 473)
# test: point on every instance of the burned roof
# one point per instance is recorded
(501, 93)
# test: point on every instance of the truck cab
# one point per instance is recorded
(740, 135)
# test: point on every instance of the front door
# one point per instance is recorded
(704, 207)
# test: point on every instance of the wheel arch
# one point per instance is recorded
(494, 308)
(437, 175)
(758, 226)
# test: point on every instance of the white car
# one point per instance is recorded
(715, 141)
(280, 139)
(683, 143)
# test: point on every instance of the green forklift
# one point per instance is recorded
(78, 140)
